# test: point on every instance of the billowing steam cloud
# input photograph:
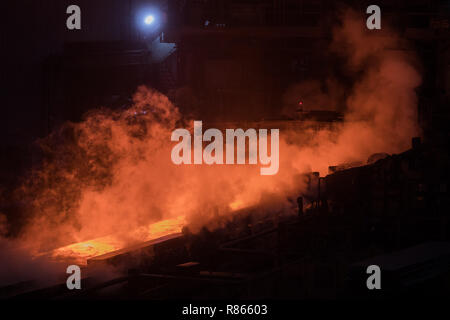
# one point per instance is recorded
(113, 172)
(380, 110)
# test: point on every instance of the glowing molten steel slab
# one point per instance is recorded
(80, 252)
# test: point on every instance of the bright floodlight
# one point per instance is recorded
(149, 19)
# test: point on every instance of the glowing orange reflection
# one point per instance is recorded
(80, 252)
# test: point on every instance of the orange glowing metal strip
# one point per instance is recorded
(82, 251)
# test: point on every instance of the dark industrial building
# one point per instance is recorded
(211, 57)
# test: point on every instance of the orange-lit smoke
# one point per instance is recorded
(380, 112)
(112, 173)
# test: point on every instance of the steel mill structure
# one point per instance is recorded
(230, 64)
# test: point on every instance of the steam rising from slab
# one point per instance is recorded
(113, 172)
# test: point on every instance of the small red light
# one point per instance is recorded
(300, 103)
